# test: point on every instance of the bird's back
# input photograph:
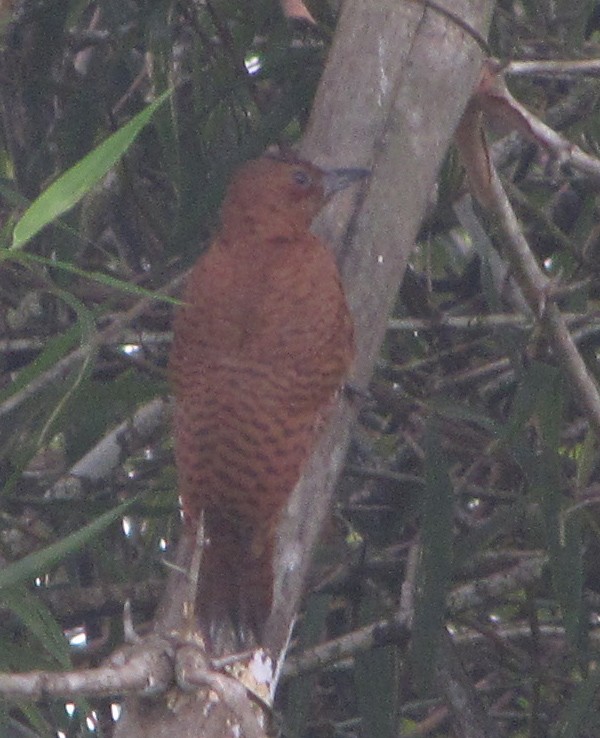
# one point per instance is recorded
(260, 348)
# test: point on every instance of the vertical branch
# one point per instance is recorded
(537, 290)
(390, 121)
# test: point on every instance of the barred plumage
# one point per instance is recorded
(261, 345)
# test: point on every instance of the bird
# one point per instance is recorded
(262, 343)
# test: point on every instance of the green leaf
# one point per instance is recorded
(39, 562)
(85, 321)
(435, 568)
(564, 542)
(377, 679)
(39, 621)
(581, 709)
(563, 530)
(34, 715)
(55, 349)
(530, 397)
(71, 186)
(301, 690)
(100, 277)
(586, 456)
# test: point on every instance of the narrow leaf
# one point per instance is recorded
(301, 690)
(564, 536)
(580, 711)
(39, 562)
(39, 621)
(377, 680)
(56, 348)
(71, 186)
(100, 277)
(435, 569)
(532, 389)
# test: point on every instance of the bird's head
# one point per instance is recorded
(284, 190)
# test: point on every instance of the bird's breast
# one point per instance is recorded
(285, 312)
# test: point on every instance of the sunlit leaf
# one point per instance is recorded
(71, 186)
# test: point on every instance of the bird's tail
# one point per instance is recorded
(235, 586)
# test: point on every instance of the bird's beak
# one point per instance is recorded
(335, 180)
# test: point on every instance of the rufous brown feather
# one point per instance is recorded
(261, 345)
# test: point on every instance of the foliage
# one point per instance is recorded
(472, 441)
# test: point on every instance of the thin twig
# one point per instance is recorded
(396, 629)
(142, 668)
(478, 322)
(547, 68)
(106, 455)
(537, 289)
(61, 369)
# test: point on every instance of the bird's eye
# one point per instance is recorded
(302, 178)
